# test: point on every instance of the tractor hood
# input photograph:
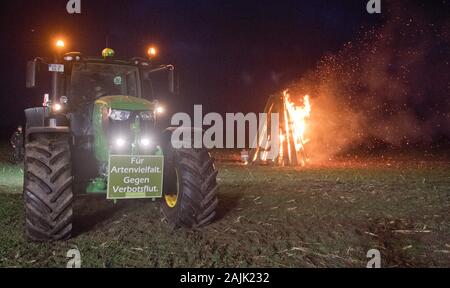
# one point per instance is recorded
(126, 103)
(101, 121)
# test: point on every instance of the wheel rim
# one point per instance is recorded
(172, 198)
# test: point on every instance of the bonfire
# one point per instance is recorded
(293, 118)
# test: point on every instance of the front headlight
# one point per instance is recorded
(120, 142)
(146, 142)
(147, 115)
(119, 115)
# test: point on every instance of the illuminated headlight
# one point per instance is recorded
(119, 115)
(120, 142)
(145, 142)
(57, 107)
(146, 115)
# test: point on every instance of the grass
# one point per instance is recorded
(11, 175)
(320, 216)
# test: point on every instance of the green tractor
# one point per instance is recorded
(97, 132)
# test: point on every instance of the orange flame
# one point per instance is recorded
(295, 118)
(293, 127)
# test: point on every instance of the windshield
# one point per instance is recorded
(91, 81)
(155, 85)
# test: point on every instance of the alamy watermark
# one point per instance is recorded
(375, 258)
(74, 257)
(236, 127)
(374, 7)
(73, 7)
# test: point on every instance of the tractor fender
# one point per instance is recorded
(35, 117)
(45, 130)
(36, 124)
(178, 143)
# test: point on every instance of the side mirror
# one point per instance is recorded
(31, 74)
(171, 81)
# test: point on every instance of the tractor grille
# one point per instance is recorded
(122, 129)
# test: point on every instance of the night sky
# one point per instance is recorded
(230, 55)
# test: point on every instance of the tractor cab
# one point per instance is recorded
(78, 81)
(111, 106)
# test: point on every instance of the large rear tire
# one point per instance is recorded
(48, 188)
(190, 188)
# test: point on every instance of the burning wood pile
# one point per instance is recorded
(292, 127)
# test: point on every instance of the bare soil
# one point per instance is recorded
(322, 215)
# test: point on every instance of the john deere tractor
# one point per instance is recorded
(97, 133)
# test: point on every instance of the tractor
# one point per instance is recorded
(98, 132)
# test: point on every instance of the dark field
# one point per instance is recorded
(326, 215)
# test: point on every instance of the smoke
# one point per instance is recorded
(391, 85)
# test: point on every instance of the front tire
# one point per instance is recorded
(48, 188)
(190, 188)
